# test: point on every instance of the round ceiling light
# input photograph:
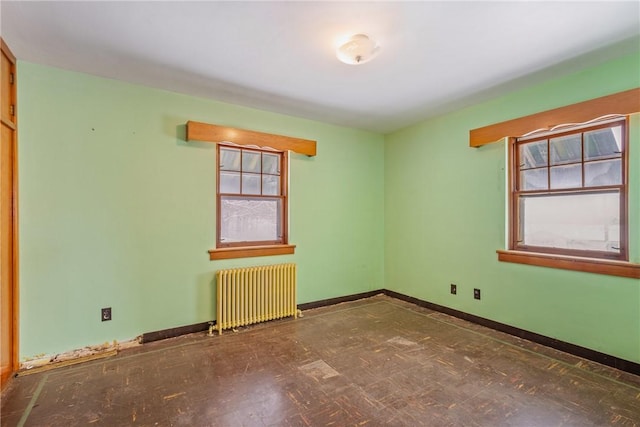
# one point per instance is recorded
(358, 49)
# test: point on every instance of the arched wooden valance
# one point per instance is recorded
(627, 102)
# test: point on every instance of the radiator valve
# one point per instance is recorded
(210, 329)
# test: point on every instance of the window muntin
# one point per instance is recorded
(251, 197)
(569, 193)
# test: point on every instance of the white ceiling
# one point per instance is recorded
(280, 56)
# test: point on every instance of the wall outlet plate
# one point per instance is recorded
(476, 293)
(454, 289)
(106, 314)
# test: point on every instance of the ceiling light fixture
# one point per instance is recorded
(358, 49)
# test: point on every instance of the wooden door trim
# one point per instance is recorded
(14, 185)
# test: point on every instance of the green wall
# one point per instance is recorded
(116, 209)
(445, 219)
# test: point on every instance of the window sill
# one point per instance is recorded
(589, 265)
(250, 251)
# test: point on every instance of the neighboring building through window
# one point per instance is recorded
(251, 197)
(569, 192)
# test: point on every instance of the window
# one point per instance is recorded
(251, 193)
(569, 192)
(251, 197)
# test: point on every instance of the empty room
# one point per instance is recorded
(320, 213)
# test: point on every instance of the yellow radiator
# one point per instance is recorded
(255, 294)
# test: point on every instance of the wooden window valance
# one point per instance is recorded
(197, 131)
(623, 103)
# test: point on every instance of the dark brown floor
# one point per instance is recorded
(371, 362)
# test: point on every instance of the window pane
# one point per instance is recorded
(250, 220)
(603, 143)
(566, 176)
(534, 179)
(271, 185)
(230, 182)
(229, 159)
(566, 149)
(251, 161)
(271, 164)
(533, 154)
(607, 172)
(576, 221)
(250, 184)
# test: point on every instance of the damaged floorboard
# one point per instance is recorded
(375, 362)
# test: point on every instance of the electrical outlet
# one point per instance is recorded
(476, 293)
(106, 314)
(454, 289)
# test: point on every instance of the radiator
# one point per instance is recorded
(255, 294)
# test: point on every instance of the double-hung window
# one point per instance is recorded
(569, 192)
(251, 189)
(251, 197)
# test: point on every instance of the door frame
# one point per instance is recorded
(14, 207)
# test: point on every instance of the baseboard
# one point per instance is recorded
(338, 300)
(576, 350)
(175, 332)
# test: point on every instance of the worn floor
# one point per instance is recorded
(373, 362)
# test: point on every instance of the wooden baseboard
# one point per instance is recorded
(175, 332)
(338, 300)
